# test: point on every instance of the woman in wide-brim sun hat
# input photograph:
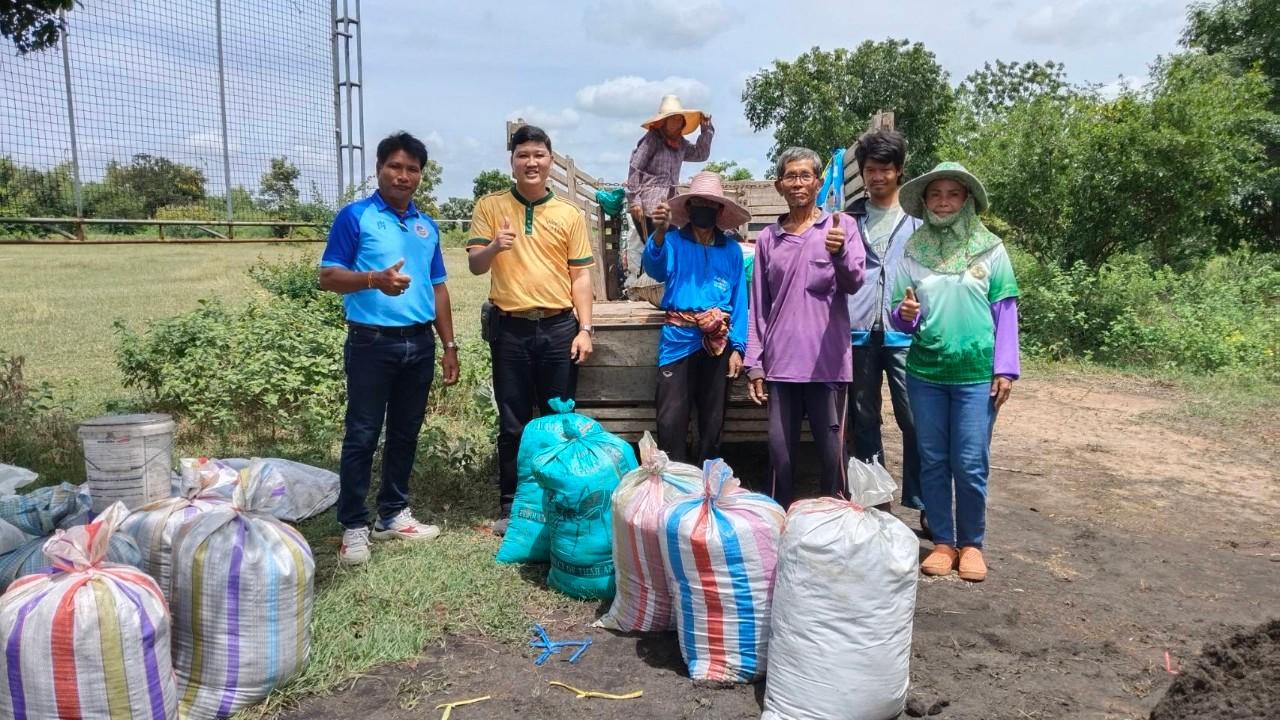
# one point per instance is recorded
(704, 338)
(708, 186)
(670, 106)
(956, 293)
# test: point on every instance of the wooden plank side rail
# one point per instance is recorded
(618, 384)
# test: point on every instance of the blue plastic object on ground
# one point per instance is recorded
(551, 647)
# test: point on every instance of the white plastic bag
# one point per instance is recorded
(843, 604)
(869, 483)
(13, 477)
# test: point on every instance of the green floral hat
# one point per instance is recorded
(911, 196)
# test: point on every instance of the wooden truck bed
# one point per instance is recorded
(618, 384)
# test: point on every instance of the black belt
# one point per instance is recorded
(398, 331)
(535, 314)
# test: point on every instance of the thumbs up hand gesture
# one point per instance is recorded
(909, 310)
(391, 281)
(835, 238)
(506, 237)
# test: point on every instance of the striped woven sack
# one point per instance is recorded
(242, 597)
(87, 638)
(642, 602)
(720, 548)
(29, 521)
(153, 525)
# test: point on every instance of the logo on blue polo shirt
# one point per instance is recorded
(421, 230)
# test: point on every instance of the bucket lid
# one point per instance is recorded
(131, 420)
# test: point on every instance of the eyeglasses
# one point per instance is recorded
(792, 178)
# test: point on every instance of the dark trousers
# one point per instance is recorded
(388, 377)
(826, 405)
(531, 364)
(698, 381)
(871, 363)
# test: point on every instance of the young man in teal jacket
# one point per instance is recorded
(879, 350)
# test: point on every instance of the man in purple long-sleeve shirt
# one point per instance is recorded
(799, 358)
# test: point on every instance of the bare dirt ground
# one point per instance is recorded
(1118, 530)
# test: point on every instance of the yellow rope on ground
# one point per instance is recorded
(448, 707)
(594, 694)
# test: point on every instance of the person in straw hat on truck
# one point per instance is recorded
(704, 339)
(655, 170)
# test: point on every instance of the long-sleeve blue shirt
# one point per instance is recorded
(698, 277)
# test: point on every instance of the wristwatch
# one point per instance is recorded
(588, 329)
(451, 345)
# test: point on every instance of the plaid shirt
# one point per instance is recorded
(655, 167)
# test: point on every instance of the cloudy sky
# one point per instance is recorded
(590, 71)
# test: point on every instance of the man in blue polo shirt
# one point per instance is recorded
(383, 257)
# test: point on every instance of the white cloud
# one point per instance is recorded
(666, 24)
(547, 120)
(434, 142)
(623, 131)
(1113, 89)
(1087, 22)
(211, 142)
(630, 96)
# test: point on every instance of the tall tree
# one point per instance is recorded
(457, 208)
(728, 169)
(156, 180)
(1157, 171)
(279, 186)
(823, 100)
(1247, 33)
(424, 197)
(490, 181)
(994, 89)
(33, 25)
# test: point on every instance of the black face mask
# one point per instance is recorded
(703, 217)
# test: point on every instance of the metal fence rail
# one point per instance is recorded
(216, 118)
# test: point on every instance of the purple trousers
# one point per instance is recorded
(826, 405)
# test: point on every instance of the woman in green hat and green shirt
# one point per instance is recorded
(956, 294)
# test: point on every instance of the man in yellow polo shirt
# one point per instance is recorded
(534, 247)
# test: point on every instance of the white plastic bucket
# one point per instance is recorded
(127, 458)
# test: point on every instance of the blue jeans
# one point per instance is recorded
(953, 430)
(871, 363)
(387, 377)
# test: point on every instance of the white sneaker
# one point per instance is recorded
(355, 546)
(404, 526)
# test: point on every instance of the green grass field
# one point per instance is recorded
(60, 302)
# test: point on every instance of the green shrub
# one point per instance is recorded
(270, 375)
(296, 279)
(270, 368)
(35, 431)
(1220, 315)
